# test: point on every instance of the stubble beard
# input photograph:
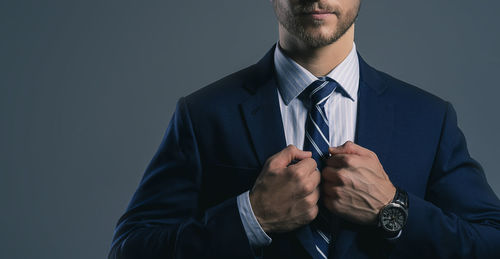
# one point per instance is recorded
(294, 26)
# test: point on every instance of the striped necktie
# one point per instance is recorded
(317, 141)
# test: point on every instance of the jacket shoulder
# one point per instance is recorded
(408, 94)
(227, 89)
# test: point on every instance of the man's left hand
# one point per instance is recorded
(354, 184)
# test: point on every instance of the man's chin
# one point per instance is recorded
(317, 40)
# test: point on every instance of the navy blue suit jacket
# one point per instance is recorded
(220, 137)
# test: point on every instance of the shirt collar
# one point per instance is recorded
(293, 78)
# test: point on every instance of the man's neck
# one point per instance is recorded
(319, 61)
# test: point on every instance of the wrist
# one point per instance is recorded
(389, 197)
(256, 211)
(255, 233)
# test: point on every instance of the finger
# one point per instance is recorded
(350, 147)
(336, 161)
(310, 214)
(306, 165)
(309, 202)
(344, 160)
(332, 176)
(310, 184)
(313, 197)
(287, 155)
(315, 177)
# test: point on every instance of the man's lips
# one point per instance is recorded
(318, 14)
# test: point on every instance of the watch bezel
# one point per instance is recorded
(388, 206)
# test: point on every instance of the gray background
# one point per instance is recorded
(87, 89)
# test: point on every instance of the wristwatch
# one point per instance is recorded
(392, 217)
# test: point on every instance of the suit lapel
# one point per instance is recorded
(375, 121)
(374, 128)
(261, 110)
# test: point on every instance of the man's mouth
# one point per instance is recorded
(318, 14)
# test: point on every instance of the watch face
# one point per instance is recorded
(393, 218)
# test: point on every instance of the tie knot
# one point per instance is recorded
(319, 90)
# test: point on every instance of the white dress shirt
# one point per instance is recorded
(340, 108)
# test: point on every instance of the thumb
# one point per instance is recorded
(347, 148)
(290, 153)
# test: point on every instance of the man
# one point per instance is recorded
(311, 153)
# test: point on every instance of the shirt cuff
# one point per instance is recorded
(254, 231)
(396, 237)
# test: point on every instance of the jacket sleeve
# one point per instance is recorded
(460, 215)
(164, 219)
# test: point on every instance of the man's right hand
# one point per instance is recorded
(285, 196)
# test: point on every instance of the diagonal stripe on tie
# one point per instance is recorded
(321, 112)
(322, 130)
(317, 149)
(327, 239)
(321, 124)
(316, 89)
(320, 251)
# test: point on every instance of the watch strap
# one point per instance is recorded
(401, 197)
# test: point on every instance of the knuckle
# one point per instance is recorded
(309, 187)
(292, 148)
(272, 162)
(303, 189)
(315, 196)
(341, 180)
(348, 160)
(309, 201)
(272, 172)
(311, 161)
(344, 180)
(295, 173)
(312, 213)
(316, 178)
(336, 192)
